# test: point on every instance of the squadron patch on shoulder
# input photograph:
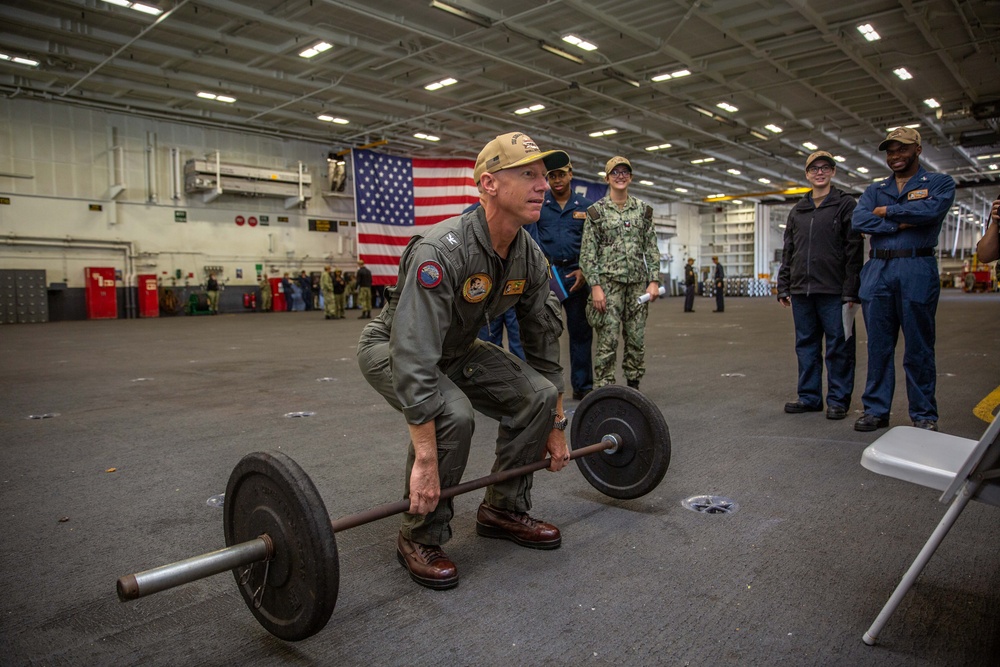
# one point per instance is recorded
(514, 287)
(429, 274)
(476, 288)
(917, 194)
(451, 239)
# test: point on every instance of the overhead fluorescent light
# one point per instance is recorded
(988, 156)
(216, 97)
(932, 103)
(734, 172)
(604, 133)
(559, 52)
(681, 190)
(737, 201)
(437, 85)
(810, 145)
(19, 60)
(658, 147)
(902, 73)
(462, 13)
(672, 75)
(137, 6)
(531, 109)
(912, 126)
(579, 43)
(862, 170)
(426, 137)
(702, 110)
(316, 49)
(703, 160)
(993, 167)
(716, 196)
(773, 128)
(765, 181)
(869, 33)
(726, 106)
(333, 119)
(645, 182)
(759, 135)
(839, 158)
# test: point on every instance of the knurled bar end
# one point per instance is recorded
(128, 588)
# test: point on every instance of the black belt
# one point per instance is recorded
(875, 253)
(564, 262)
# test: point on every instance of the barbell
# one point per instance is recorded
(281, 544)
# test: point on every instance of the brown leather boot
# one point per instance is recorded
(517, 527)
(428, 565)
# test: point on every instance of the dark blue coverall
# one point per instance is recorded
(900, 287)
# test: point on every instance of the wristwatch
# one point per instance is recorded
(560, 424)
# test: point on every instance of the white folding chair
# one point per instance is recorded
(964, 469)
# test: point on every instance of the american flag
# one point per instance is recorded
(395, 196)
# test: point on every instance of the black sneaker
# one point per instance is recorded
(633, 383)
(799, 407)
(925, 424)
(867, 422)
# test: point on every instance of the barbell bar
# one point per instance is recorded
(274, 516)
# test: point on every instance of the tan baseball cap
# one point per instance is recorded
(567, 168)
(817, 155)
(615, 161)
(513, 150)
(904, 135)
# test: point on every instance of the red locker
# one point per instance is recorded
(101, 293)
(149, 297)
(278, 303)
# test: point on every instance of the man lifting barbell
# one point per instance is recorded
(423, 356)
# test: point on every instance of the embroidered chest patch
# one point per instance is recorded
(579, 215)
(477, 287)
(917, 194)
(429, 274)
(514, 287)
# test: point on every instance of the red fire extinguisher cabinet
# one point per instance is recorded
(101, 293)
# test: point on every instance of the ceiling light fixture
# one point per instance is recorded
(332, 119)
(726, 106)
(912, 126)
(603, 133)
(462, 13)
(531, 109)
(810, 145)
(621, 76)
(646, 182)
(437, 85)
(869, 33)
(863, 170)
(902, 73)
(315, 50)
(579, 43)
(839, 158)
(681, 190)
(773, 128)
(137, 6)
(703, 160)
(702, 110)
(658, 147)
(426, 137)
(932, 103)
(734, 172)
(559, 52)
(765, 181)
(217, 98)
(672, 75)
(759, 135)
(19, 60)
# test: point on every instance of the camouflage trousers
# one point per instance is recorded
(364, 299)
(329, 306)
(623, 314)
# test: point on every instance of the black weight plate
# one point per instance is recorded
(269, 493)
(641, 460)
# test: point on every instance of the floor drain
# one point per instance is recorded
(711, 504)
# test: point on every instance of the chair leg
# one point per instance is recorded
(956, 507)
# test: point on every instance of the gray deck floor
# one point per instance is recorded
(793, 578)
